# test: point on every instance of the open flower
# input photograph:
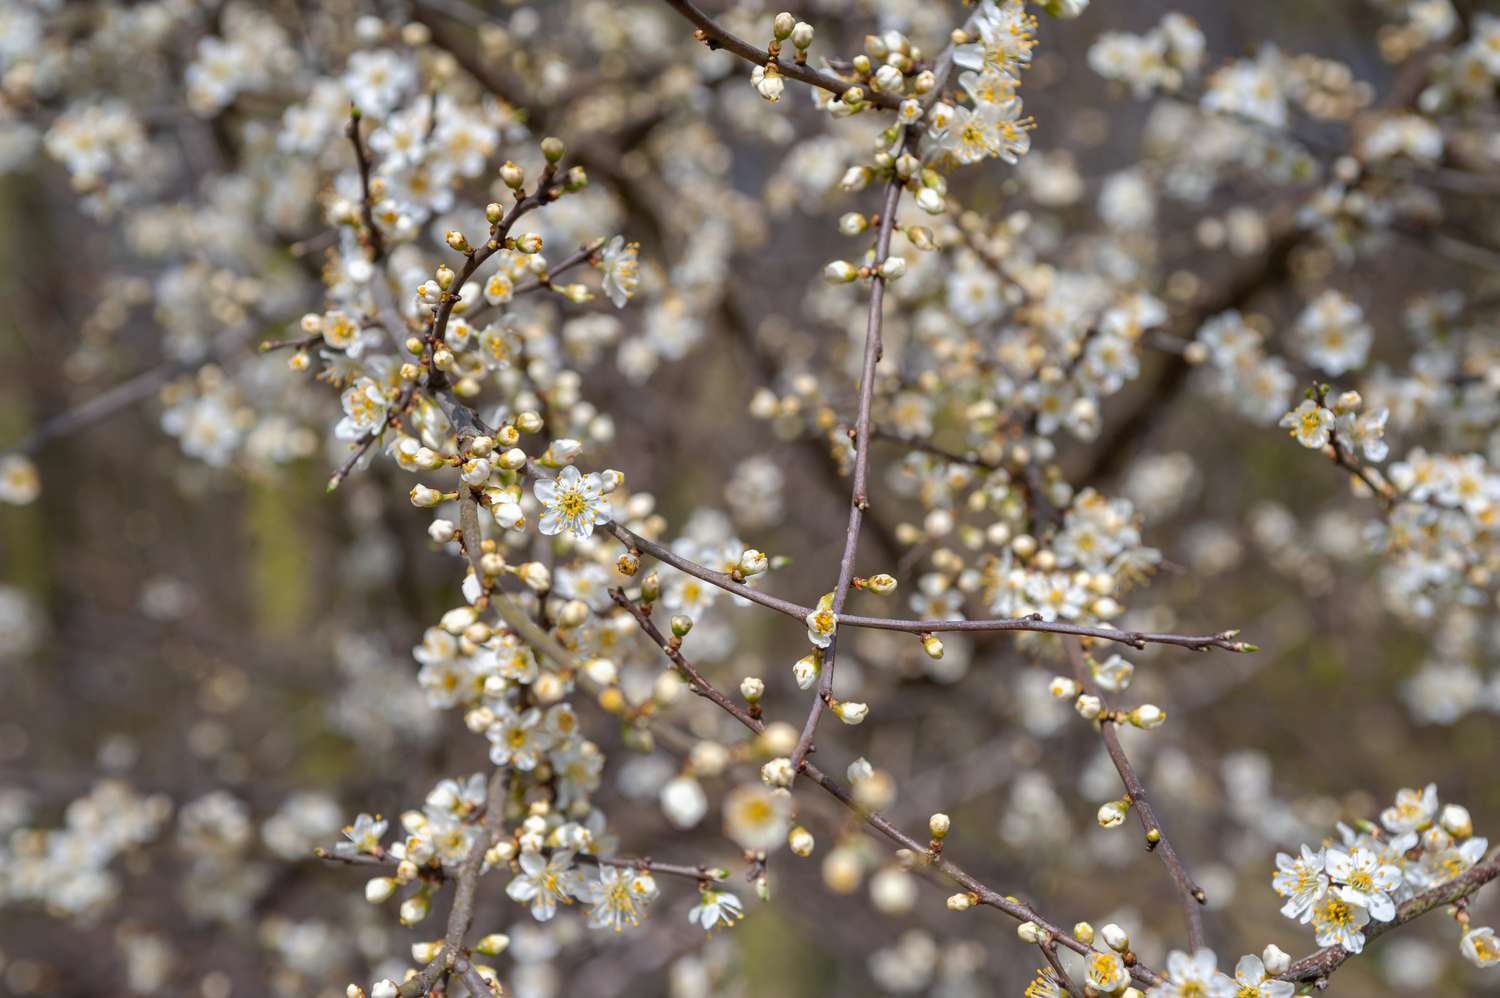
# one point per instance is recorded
(572, 502)
(622, 270)
(716, 908)
(618, 897)
(1310, 423)
(1301, 881)
(1339, 923)
(1195, 976)
(543, 882)
(1254, 982)
(1365, 881)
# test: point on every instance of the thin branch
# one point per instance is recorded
(1316, 967)
(717, 37)
(1193, 897)
(1135, 639)
(372, 238)
(923, 860)
(859, 499)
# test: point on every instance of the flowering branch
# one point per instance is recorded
(922, 856)
(717, 37)
(1193, 897)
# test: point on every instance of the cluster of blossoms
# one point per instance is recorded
(459, 344)
(1418, 845)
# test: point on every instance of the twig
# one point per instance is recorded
(1135, 639)
(1193, 897)
(878, 823)
(718, 38)
(372, 238)
(859, 499)
(1318, 966)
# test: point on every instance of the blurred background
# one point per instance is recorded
(211, 668)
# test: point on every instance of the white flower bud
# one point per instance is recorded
(778, 772)
(385, 989)
(1456, 821)
(513, 459)
(379, 889)
(1030, 932)
(493, 944)
(441, 531)
(529, 243)
(931, 201)
(851, 712)
(806, 670)
(802, 35)
(1276, 960)
(960, 902)
(1147, 716)
(933, 646)
(887, 78)
(840, 272)
(753, 562)
(800, 841)
(1113, 814)
(752, 688)
(1088, 706)
(892, 267)
(1115, 937)
(939, 824)
(783, 25)
(881, 585)
(424, 497)
(414, 909)
(1084, 933)
(856, 178)
(427, 952)
(1063, 688)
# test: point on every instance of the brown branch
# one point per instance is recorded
(1316, 967)
(1193, 897)
(859, 499)
(1225, 640)
(372, 238)
(716, 37)
(923, 860)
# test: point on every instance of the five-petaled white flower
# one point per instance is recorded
(1195, 976)
(1310, 423)
(619, 897)
(543, 882)
(716, 908)
(1339, 923)
(573, 502)
(1301, 880)
(1365, 881)
(622, 270)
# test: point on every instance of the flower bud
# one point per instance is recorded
(444, 276)
(752, 688)
(414, 909)
(932, 645)
(441, 531)
(385, 989)
(493, 213)
(553, 148)
(681, 625)
(424, 497)
(1089, 707)
(1084, 933)
(529, 242)
(892, 267)
(783, 26)
(778, 772)
(379, 889)
(851, 712)
(513, 175)
(930, 201)
(1276, 960)
(806, 670)
(426, 952)
(856, 178)
(1147, 716)
(493, 944)
(628, 564)
(1115, 937)
(840, 272)
(938, 825)
(881, 585)
(1112, 815)
(1456, 821)
(802, 35)
(887, 78)
(960, 902)
(800, 841)
(1063, 688)
(456, 241)
(753, 562)
(1030, 932)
